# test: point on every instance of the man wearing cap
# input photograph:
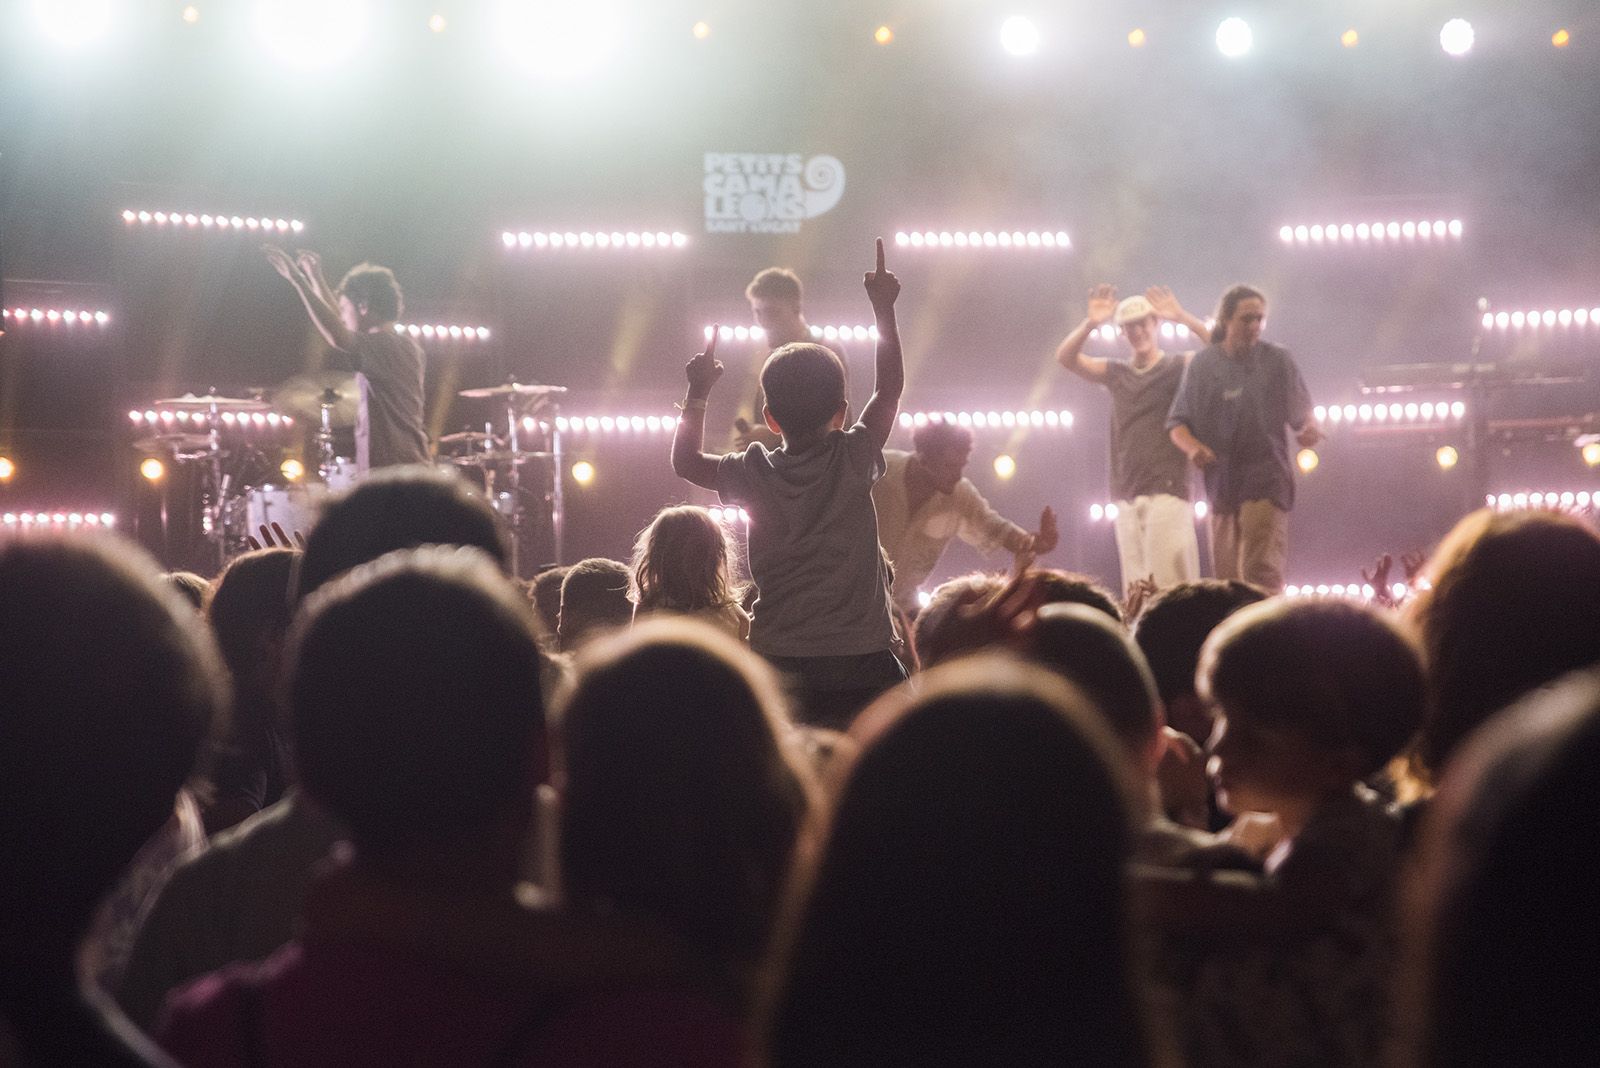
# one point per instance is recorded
(1149, 474)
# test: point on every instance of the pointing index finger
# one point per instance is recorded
(881, 267)
(711, 346)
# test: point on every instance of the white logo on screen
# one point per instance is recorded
(768, 192)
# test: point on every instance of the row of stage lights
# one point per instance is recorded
(1354, 591)
(990, 420)
(57, 520)
(182, 417)
(52, 316)
(656, 423)
(831, 332)
(1170, 331)
(1562, 500)
(1107, 513)
(587, 239)
(1336, 233)
(443, 332)
(189, 220)
(1532, 320)
(1038, 239)
(1425, 412)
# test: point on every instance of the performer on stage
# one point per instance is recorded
(775, 296)
(358, 320)
(923, 501)
(1235, 399)
(1149, 475)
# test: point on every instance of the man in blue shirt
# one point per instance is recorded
(1235, 399)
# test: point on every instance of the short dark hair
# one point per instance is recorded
(1068, 587)
(804, 385)
(594, 595)
(398, 508)
(1092, 652)
(376, 287)
(775, 283)
(938, 637)
(1338, 674)
(546, 597)
(414, 687)
(109, 685)
(937, 433)
(1175, 624)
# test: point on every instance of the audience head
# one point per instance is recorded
(938, 633)
(682, 794)
(250, 613)
(194, 588)
(547, 598)
(943, 450)
(109, 686)
(594, 597)
(1170, 631)
(1514, 604)
(968, 905)
(1506, 951)
(1085, 647)
(682, 562)
(398, 508)
(1310, 697)
(414, 688)
(374, 296)
(804, 385)
(1055, 586)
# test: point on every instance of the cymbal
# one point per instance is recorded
(190, 402)
(174, 442)
(500, 456)
(301, 397)
(521, 388)
(468, 437)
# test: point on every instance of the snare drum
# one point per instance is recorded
(291, 507)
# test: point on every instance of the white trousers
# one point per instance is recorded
(1155, 538)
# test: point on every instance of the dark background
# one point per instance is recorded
(1167, 164)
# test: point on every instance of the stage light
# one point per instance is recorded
(1307, 460)
(310, 33)
(1447, 457)
(1350, 38)
(1201, 509)
(1561, 38)
(883, 35)
(1346, 233)
(74, 24)
(152, 470)
(191, 14)
(1058, 240)
(590, 240)
(558, 41)
(1234, 37)
(583, 472)
(54, 316)
(1004, 466)
(441, 331)
(7, 468)
(189, 219)
(1019, 36)
(1591, 453)
(292, 470)
(1136, 38)
(1456, 37)
(438, 23)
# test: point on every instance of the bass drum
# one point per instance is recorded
(294, 508)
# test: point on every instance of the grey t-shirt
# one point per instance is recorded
(814, 556)
(1143, 458)
(389, 373)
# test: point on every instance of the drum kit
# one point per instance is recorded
(234, 445)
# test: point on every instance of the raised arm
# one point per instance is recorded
(324, 313)
(1102, 302)
(688, 461)
(1166, 304)
(879, 414)
(311, 266)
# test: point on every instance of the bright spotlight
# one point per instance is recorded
(1591, 454)
(191, 14)
(883, 35)
(1447, 457)
(74, 23)
(1137, 38)
(701, 30)
(1307, 460)
(310, 33)
(583, 472)
(1234, 37)
(438, 23)
(1004, 466)
(7, 468)
(558, 41)
(1350, 38)
(1019, 36)
(1456, 37)
(1561, 38)
(153, 470)
(292, 470)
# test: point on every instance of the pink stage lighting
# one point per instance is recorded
(204, 221)
(1056, 240)
(70, 520)
(55, 317)
(992, 420)
(1409, 232)
(593, 239)
(443, 332)
(1547, 318)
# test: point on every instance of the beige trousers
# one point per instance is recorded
(1251, 544)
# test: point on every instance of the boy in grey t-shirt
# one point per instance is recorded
(822, 608)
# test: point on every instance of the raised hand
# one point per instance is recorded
(1164, 302)
(1049, 534)
(273, 537)
(704, 368)
(309, 262)
(1102, 303)
(280, 261)
(1140, 590)
(882, 287)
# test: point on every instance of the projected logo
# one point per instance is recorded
(768, 192)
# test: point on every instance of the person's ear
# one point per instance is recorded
(772, 423)
(840, 417)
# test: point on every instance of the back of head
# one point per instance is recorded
(681, 798)
(414, 688)
(1507, 951)
(804, 385)
(1068, 587)
(1515, 603)
(251, 606)
(109, 684)
(1339, 674)
(1175, 624)
(937, 630)
(594, 597)
(680, 562)
(376, 287)
(935, 435)
(547, 597)
(194, 588)
(968, 906)
(398, 508)
(1083, 646)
